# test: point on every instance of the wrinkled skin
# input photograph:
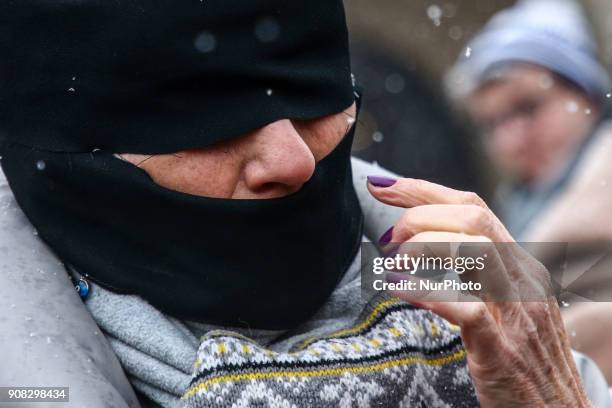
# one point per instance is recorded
(517, 351)
(270, 162)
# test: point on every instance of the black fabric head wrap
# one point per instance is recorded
(82, 80)
(144, 76)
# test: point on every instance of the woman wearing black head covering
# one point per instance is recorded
(189, 165)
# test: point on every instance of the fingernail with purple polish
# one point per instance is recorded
(386, 237)
(378, 181)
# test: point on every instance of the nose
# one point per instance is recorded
(280, 161)
(512, 135)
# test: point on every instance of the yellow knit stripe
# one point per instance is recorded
(325, 372)
(395, 332)
(352, 330)
(336, 347)
(434, 329)
(375, 343)
(355, 329)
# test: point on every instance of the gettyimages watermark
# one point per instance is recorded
(505, 272)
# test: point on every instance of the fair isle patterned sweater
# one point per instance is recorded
(353, 353)
(395, 356)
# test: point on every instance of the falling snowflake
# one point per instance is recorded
(571, 107)
(434, 12)
(455, 33)
(267, 29)
(205, 42)
(378, 136)
(394, 83)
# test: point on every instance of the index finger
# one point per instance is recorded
(408, 192)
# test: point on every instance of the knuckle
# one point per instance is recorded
(419, 183)
(472, 198)
(479, 221)
(421, 188)
(408, 224)
(538, 312)
(478, 316)
(533, 336)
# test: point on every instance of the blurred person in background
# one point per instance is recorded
(533, 84)
(400, 105)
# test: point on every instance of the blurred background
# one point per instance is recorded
(420, 34)
(429, 35)
(401, 52)
(517, 110)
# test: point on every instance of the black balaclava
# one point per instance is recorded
(82, 80)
